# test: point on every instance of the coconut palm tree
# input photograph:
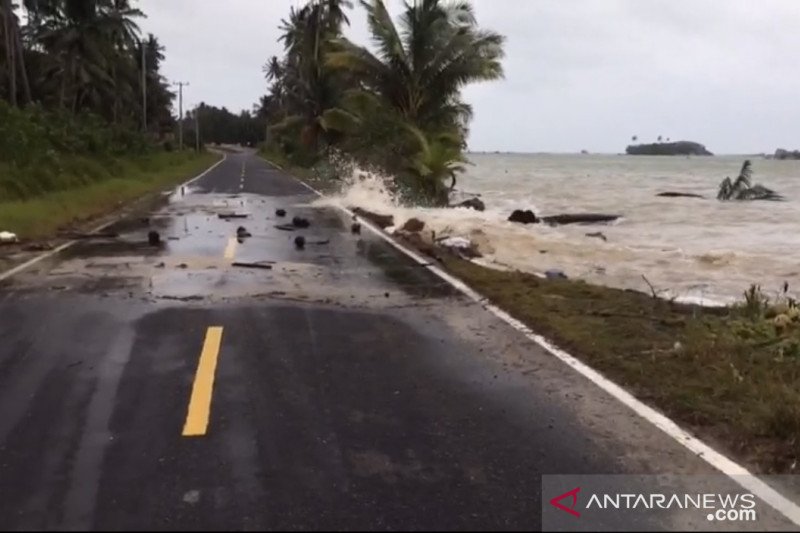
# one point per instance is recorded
(273, 70)
(307, 88)
(416, 74)
(422, 64)
(88, 40)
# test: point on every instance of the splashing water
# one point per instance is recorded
(701, 251)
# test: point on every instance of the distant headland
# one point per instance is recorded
(668, 148)
(780, 153)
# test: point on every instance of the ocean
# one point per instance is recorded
(699, 250)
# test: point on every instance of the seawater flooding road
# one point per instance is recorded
(345, 388)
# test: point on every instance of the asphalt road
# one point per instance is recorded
(351, 388)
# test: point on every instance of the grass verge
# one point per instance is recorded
(42, 216)
(731, 375)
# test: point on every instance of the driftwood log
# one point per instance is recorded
(671, 194)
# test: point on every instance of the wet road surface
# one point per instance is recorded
(351, 388)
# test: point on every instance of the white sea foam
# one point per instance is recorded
(693, 250)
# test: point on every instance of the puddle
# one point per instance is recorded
(193, 263)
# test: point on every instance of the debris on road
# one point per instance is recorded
(264, 265)
(285, 227)
(300, 222)
(242, 233)
(228, 216)
(356, 228)
(321, 243)
(153, 238)
(6, 237)
(300, 242)
(38, 247)
(280, 212)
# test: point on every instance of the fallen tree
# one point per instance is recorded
(743, 189)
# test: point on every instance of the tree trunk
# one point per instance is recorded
(26, 86)
(8, 21)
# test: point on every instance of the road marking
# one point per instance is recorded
(736, 472)
(230, 249)
(17, 269)
(200, 404)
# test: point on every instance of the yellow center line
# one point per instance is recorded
(200, 404)
(230, 249)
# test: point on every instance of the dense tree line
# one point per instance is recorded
(83, 57)
(395, 105)
(71, 95)
(220, 126)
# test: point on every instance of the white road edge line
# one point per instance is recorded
(19, 268)
(738, 474)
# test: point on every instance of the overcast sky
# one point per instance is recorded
(580, 74)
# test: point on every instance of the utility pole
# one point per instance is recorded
(181, 85)
(144, 85)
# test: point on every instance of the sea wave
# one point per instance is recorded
(685, 254)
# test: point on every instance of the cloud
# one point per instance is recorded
(583, 74)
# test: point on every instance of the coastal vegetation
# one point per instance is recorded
(668, 148)
(743, 189)
(732, 375)
(76, 134)
(395, 106)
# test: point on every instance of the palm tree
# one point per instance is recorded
(438, 159)
(421, 66)
(304, 85)
(416, 75)
(273, 70)
(87, 38)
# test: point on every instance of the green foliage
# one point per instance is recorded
(115, 181)
(755, 303)
(43, 151)
(397, 110)
(84, 56)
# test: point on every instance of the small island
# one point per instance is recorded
(668, 148)
(782, 154)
